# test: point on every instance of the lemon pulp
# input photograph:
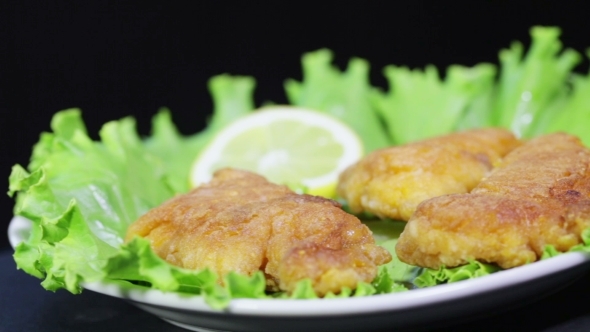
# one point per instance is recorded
(303, 149)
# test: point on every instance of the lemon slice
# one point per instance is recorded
(303, 149)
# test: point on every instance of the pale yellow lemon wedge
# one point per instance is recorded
(303, 149)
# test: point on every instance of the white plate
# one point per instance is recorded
(416, 308)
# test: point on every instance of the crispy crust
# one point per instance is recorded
(391, 182)
(538, 195)
(241, 222)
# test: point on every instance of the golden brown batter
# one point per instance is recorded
(241, 222)
(538, 195)
(391, 182)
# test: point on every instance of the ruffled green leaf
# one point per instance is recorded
(303, 290)
(396, 269)
(473, 269)
(419, 104)
(345, 95)
(530, 84)
(233, 97)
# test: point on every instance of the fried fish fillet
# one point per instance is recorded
(241, 222)
(538, 195)
(391, 182)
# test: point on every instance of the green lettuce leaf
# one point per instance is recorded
(395, 275)
(81, 198)
(574, 112)
(533, 93)
(233, 97)
(474, 269)
(419, 104)
(397, 270)
(531, 85)
(346, 95)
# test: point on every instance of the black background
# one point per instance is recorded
(114, 59)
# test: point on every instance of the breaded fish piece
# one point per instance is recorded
(241, 222)
(538, 195)
(391, 182)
